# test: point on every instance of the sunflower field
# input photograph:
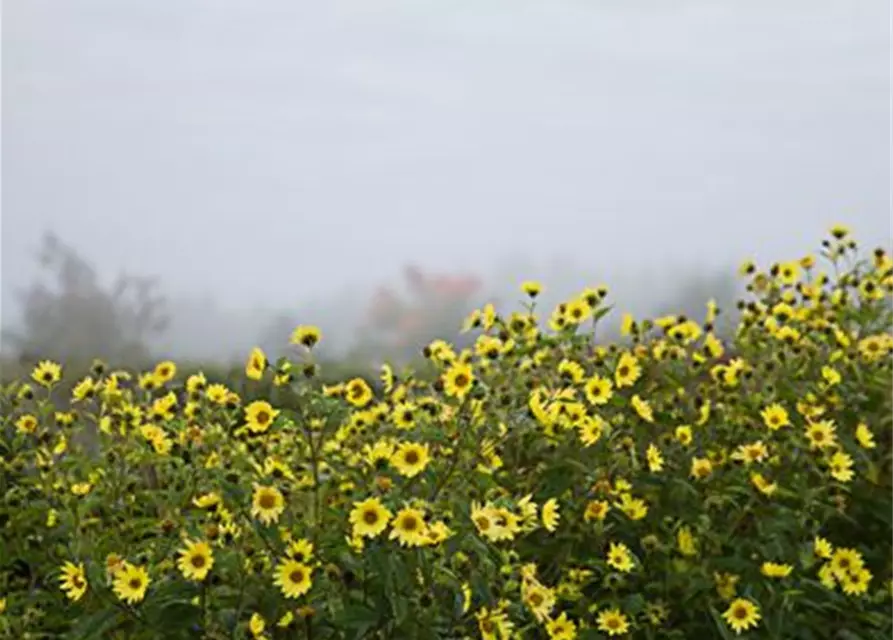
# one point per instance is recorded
(540, 484)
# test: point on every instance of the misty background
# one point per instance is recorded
(274, 163)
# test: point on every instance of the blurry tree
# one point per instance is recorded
(397, 326)
(72, 318)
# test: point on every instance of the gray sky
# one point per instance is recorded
(281, 150)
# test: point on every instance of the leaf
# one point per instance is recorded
(359, 618)
(96, 625)
(724, 631)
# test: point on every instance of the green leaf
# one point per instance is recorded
(96, 625)
(359, 618)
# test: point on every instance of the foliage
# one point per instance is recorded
(397, 325)
(77, 319)
(538, 485)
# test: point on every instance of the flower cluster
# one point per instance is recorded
(687, 481)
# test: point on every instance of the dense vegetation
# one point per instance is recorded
(536, 484)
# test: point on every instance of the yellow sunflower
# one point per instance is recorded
(259, 415)
(531, 288)
(131, 582)
(619, 557)
(561, 628)
(457, 380)
(821, 434)
(358, 393)
(409, 528)
(741, 615)
(613, 622)
(775, 416)
(550, 514)
(267, 503)
(164, 372)
(47, 373)
(598, 390)
(369, 518)
(306, 335)
(293, 578)
(26, 424)
(410, 458)
(627, 371)
(74, 581)
(257, 363)
(195, 560)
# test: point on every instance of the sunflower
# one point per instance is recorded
(257, 363)
(494, 625)
(839, 231)
(369, 518)
(821, 434)
(457, 380)
(257, 625)
(358, 393)
(300, 550)
(726, 584)
(47, 373)
(627, 371)
(131, 582)
(741, 615)
(410, 458)
(438, 532)
(775, 416)
(633, 508)
(164, 372)
(74, 581)
(686, 542)
(550, 514)
(531, 288)
(26, 424)
(306, 335)
(403, 415)
(619, 557)
(538, 598)
(701, 468)
(841, 465)
(259, 415)
(483, 518)
(561, 628)
(643, 409)
(856, 582)
(571, 371)
(822, 548)
(655, 458)
(293, 578)
(776, 570)
(763, 485)
(864, 436)
(845, 561)
(267, 504)
(598, 390)
(409, 528)
(590, 430)
(596, 510)
(613, 622)
(83, 390)
(751, 452)
(577, 311)
(195, 560)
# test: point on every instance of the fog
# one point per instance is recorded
(290, 156)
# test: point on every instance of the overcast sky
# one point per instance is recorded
(281, 149)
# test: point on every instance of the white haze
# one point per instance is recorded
(292, 155)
